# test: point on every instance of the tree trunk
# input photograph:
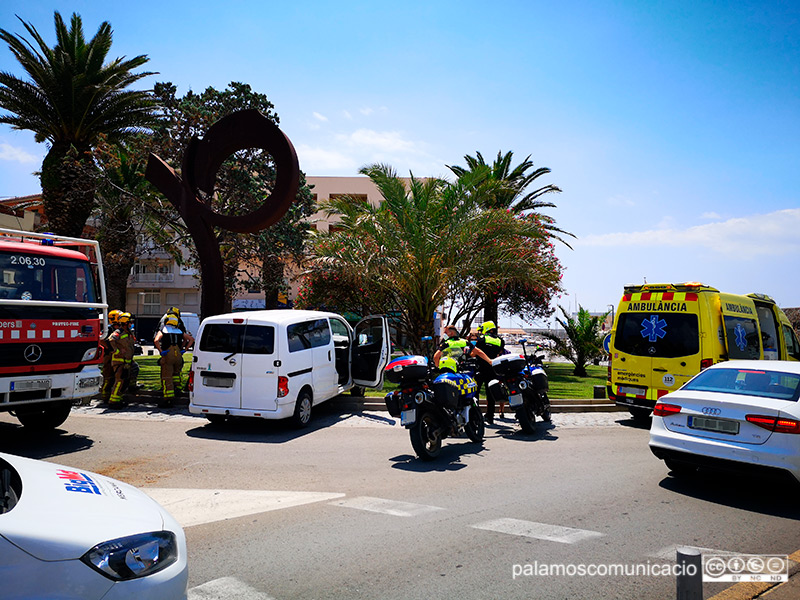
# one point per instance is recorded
(490, 308)
(68, 187)
(117, 238)
(272, 279)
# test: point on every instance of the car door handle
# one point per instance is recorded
(329, 356)
(660, 370)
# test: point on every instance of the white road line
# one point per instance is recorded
(540, 531)
(195, 507)
(387, 507)
(670, 552)
(226, 588)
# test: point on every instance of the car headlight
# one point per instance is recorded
(133, 556)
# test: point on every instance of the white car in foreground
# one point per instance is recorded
(739, 416)
(71, 534)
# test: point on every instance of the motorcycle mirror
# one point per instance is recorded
(426, 338)
(522, 341)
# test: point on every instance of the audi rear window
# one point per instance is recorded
(747, 382)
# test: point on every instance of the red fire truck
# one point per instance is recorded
(52, 314)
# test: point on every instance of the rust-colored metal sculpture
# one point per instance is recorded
(203, 157)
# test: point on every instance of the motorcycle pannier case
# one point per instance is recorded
(453, 390)
(539, 378)
(508, 364)
(406, 368)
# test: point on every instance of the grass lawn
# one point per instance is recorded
(150, 372)
(563, 384)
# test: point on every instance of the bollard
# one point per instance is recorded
(151, 352)
(599, 391)
(689, 583)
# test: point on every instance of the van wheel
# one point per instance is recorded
(302, 410)
(640, 414)
(357, 391)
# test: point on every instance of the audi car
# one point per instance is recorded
(71, 534)
(740, 416)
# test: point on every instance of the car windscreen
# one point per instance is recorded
(40, 277)
(664, 335)
(748, 382)
(232, 338)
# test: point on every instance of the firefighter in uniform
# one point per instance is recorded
(492, 346)
(171, 343)
(108, 371)
(122, 343)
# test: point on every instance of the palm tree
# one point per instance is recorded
(503, 187)
(584, 340)
(72, 97)
(422, 243)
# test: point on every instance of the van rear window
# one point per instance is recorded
(228, 338)
(663, 335)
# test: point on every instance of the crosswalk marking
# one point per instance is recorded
(670, 552)
(226, 588)
(540, 531)
(388, 507)
(197, 506)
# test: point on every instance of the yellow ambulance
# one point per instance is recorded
(665, 333)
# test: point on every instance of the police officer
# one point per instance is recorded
(108, 371)
(492, 347)
(171, 343)
(122, 344)
(453, 348)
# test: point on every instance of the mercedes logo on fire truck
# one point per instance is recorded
(32, 353)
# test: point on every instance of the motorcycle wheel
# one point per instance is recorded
(545, 407)
(425, 447)
(526, 414)
(475, 427)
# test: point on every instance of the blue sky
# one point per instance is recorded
(673, 128)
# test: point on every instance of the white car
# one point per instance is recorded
(739, 416)
(71, 534)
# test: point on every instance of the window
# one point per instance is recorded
(151, 303)
(309, 334)
(792, 347)
(742, 336)
(222, 337)
(190, 298)
(42, 277)
(667, 335)
(259, 339)
(748, 382)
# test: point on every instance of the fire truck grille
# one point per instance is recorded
(39, 354)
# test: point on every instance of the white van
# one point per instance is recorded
(274, 364)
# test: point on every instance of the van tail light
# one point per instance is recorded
(283, 386)
(706, 362)
(776, 424)
(190, 383)
(662, 409)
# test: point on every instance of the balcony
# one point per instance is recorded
(153, 277)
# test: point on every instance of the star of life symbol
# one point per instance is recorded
(654, 328)
(741, 337)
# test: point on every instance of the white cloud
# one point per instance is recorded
(771, 234)
(711, 216)
(621, 201)
(386, 141)
(10, 153)
(320, 161)
(320, 117)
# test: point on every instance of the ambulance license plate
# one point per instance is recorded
(632, 391)
(32, 384)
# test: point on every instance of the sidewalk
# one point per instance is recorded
(787, 590)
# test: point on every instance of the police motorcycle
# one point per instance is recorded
(522, 383)
(433, 404)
